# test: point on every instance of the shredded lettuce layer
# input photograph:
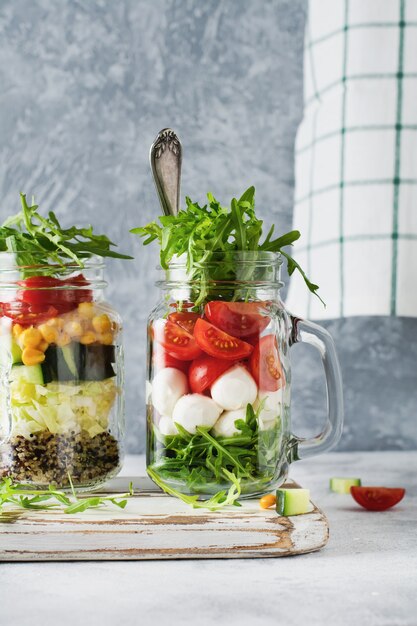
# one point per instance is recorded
(61, 408)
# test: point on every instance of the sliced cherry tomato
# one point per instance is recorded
(64, 295)
(185, 319)
(162, 359)
(377, 498)
(176, 340)
(265, 364)
(240, 319)
(219, 344)
(204, 371)
(27, 315)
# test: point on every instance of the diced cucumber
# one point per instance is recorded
(68, 354)
(293, 501)
(343, 485)
(30, 373)
(10, 352)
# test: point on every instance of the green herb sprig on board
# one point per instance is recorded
(37, 240)
(25, 497)
(213, 232)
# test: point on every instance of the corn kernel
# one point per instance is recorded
(49, 333)
(267, 501)
(31, 337)
(63, 339)
(17, 330)
(31, 356)
(101, 323)
(86, 309)
(88, 337)
(106, 339)
(56, 322)
(44, 345)
(74, 328)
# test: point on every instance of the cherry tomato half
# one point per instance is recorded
(27, 315)
(219, 344)
(204, 371)
(162, 359)
(240, 319)
(176, 340)
(185, 319)
(265, 364)
(377, 498)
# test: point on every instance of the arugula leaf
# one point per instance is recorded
(24, 496)
(38, 240)
(212, 232)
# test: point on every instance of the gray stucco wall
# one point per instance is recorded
(85, 86)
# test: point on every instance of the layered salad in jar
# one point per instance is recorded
(218, 383)
(60, 356)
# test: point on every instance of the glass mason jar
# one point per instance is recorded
(219, 378)
(61, 375)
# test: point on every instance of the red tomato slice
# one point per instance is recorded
(219, 344)
(184, 319)
(204, 371)
(265, 364)
(377, 498)
(176, 340)
(44, 291)
(27, 315)
(240, 319)
(162, 359)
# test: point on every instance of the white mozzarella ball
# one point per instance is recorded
(166, 426)
(195, 410)
(234, 389)
(225, 425)
(272, 405)
(167, 387)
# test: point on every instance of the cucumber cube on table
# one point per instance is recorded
(293, 501)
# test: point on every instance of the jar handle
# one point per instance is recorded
(317, 336)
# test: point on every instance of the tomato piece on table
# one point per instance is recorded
(176, 340)
(265, 364)
(239, 319)
(162, 359)
(377, 498)
(217, 343)
(204, 371)
(185, 319)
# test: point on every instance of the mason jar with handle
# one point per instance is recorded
(219, 378)
(61, 375)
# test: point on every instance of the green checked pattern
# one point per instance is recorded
(356, 184)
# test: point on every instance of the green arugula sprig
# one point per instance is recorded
(218, 501)
(213, 233)
(38, 240)
(25, 497)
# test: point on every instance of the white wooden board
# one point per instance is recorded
(156, 526)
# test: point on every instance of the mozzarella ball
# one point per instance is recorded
(272, 405)
(234, 389)
(166, 426)
(195, 410)
(225, 425)
(167, 387)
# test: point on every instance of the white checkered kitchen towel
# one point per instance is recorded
(356, 160)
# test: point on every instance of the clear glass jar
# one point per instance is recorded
(61, 375)
(219, 378)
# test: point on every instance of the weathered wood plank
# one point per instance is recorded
(155, 526)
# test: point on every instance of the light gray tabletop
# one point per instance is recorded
(367, 574)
